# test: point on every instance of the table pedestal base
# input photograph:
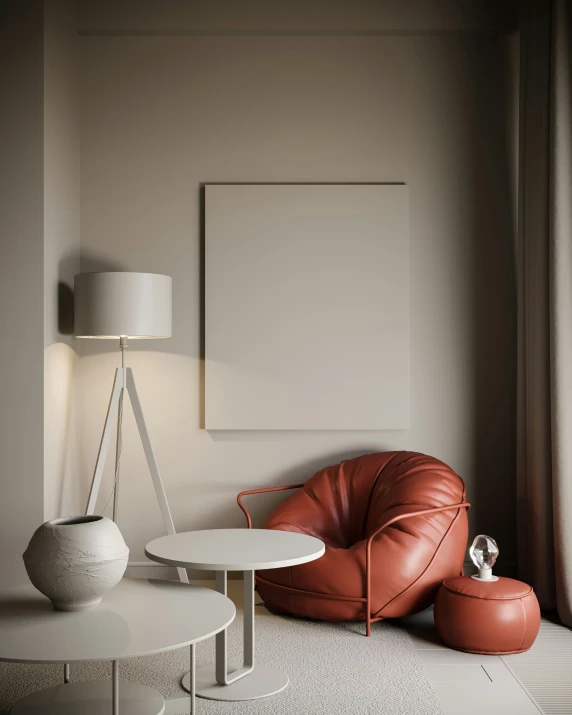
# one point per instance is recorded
(91, 698)
(264, 680)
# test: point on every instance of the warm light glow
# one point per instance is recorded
(131, 337)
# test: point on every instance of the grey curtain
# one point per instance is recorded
(544, 419)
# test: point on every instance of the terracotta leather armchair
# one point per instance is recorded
(395, 526)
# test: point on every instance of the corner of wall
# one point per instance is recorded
(61, 255)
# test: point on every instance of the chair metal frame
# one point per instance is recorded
(366, 600)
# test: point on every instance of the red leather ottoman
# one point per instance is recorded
(491, 618)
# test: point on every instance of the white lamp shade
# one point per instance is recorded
(116, 304)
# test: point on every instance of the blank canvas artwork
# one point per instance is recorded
(306, 307)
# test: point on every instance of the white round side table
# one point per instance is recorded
(246, 550)
(137, 617)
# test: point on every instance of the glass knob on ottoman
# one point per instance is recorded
(484, 553)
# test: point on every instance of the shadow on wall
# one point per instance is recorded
(494, 301)
(90, 262)
(84, 262)
(67, 267)
(202, 323)
(60, 356)
(65, 309)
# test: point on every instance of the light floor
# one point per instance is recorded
(471, 684)
(467, 683)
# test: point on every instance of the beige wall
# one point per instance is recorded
(21, 282)
(61, 256)
(163, 114)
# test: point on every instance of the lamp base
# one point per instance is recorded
(485, 574)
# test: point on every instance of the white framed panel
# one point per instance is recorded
(306, 306)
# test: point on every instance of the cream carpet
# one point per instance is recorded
(333, 669)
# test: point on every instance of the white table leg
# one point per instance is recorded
(221, 638)
(223, 677)
(66, 672)
(249, 681)
(249, 620)
(115, 687)
(192, 674)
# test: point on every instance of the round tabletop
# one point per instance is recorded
(235, 549)
(137, 617)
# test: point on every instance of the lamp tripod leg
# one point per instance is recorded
(124, 380)
(118, 385)
(118, 447)
(152, 462)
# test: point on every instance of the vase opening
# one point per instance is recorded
(74, 520)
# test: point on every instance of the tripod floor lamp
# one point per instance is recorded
(120, 305)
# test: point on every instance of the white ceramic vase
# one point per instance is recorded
(75, 560)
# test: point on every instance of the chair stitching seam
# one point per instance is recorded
(426, 568)
(377, 476)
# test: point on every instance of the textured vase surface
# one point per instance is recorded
(75, 560)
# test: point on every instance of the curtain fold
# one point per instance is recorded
(544, 417)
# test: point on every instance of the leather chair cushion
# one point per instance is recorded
(343, 505)
(492, 618)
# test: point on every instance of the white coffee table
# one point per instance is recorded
(137, 617)
(247, 550)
